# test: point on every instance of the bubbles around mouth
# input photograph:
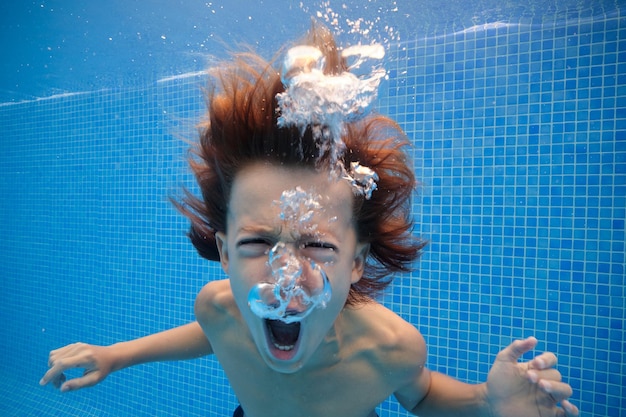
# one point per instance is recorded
(298, 288)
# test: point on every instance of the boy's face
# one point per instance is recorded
(328, 239)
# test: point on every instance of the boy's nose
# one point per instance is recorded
(296, 306)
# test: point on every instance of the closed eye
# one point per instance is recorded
(319, 245)
(318, 251)
(253, 247)
(253, 241)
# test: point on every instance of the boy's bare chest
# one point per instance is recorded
(346, 387)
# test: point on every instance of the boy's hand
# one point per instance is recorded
(96, 361)
(533, 388)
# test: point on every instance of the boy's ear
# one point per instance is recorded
(222, 248)
(360, 258)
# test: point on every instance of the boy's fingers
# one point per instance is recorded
(515, 350)
(58, 366)
(51, 375)
(59, 380)
(88, 380)
(557, 391)
(544, 361)
(570, 409)
(551, 374)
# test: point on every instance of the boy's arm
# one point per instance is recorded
(184, 342)
(513, 389)
(441, 395)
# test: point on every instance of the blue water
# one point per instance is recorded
(519, 139)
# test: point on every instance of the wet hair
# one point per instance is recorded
(241, 129)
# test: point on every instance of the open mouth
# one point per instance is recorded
(283, 336)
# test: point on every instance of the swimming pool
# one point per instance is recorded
(519, 133)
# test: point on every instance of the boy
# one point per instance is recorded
(308, 217)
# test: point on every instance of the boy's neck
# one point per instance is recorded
(329, 351)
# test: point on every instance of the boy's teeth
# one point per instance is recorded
(285, 348)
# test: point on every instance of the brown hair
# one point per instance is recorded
(242, 128)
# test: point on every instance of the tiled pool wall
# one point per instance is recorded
(519, 140)
(519, 135)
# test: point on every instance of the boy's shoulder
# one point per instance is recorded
(214, 299)
(392, 342)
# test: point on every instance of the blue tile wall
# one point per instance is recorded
(93, 250)
(518, 132)
(518, 136)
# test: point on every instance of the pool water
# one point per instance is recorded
(519, 140)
